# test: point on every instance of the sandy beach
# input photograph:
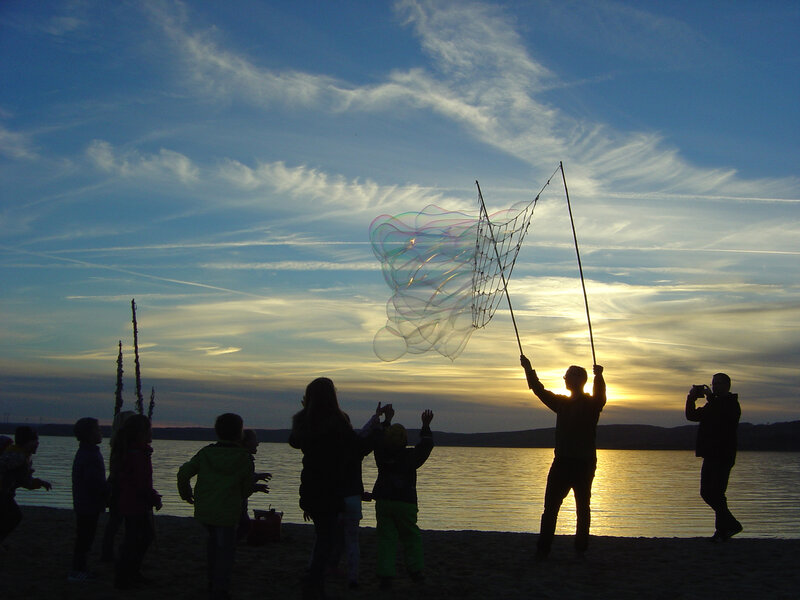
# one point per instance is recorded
(460, 564)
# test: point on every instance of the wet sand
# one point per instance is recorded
(465, 565)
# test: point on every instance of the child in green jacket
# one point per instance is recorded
(395, 494)
(224, 481)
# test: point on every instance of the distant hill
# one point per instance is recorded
(775, 436)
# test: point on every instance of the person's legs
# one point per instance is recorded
(714, 476)
(325, 530)
(211, 556)
(352, 518)
(337, 546)
(583, 477)
(127, 553)
(145, 536)
(410, 536)
(112, 527)
(558, 487)
(388, 536)
(713, 484)
(10, 516)
(86, 526)
(221, 557)
(135, 542)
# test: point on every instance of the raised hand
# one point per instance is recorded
(427, 417)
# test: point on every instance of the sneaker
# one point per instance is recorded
(733, 531)
(718, 537)
(81, 576)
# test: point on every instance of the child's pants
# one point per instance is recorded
(86, 526)
(351, 519)
(221, 556)
(139, 534)
(397, 521)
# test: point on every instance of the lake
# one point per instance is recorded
(636, 493)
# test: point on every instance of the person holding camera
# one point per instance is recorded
(716, 445)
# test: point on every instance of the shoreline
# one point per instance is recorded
(463, 564)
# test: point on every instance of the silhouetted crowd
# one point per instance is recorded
(220, 478)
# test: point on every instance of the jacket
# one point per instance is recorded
(397, 469)
(135, 480)
(224, 481)
(16, 471)
(90, 490)
(327, 453)
(719, 421)
(576, 419)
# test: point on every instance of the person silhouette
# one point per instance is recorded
(395, 494)
(575, 458)
(322, 431)
(16, 471)
(716, 445)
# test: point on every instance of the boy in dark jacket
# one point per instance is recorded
(395, 494)
(89, 492)
(224, 481)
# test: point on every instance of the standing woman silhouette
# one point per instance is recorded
(324, 434)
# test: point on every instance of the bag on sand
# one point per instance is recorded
(266, 527)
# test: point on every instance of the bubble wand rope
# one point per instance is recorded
(500, 263)
(580, 267)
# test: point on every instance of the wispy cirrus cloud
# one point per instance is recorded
(486, 81)
(295, 265)
(17, 146)
(326, 189)
(133, 163)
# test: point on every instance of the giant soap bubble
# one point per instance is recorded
(444, 270)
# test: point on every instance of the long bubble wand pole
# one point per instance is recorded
(500, 263)
(580, 267)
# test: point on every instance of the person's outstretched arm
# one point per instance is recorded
(599, 386)
(425, 445)
(547, 397)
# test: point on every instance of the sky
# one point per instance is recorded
(221, 163)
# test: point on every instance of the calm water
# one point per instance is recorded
(636, 493)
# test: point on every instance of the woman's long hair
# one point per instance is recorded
(135, 429)
(321, 407)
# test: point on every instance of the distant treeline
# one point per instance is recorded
(775, 436)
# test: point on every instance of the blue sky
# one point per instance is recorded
(222, 162)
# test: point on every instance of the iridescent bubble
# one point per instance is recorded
(445, 275)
